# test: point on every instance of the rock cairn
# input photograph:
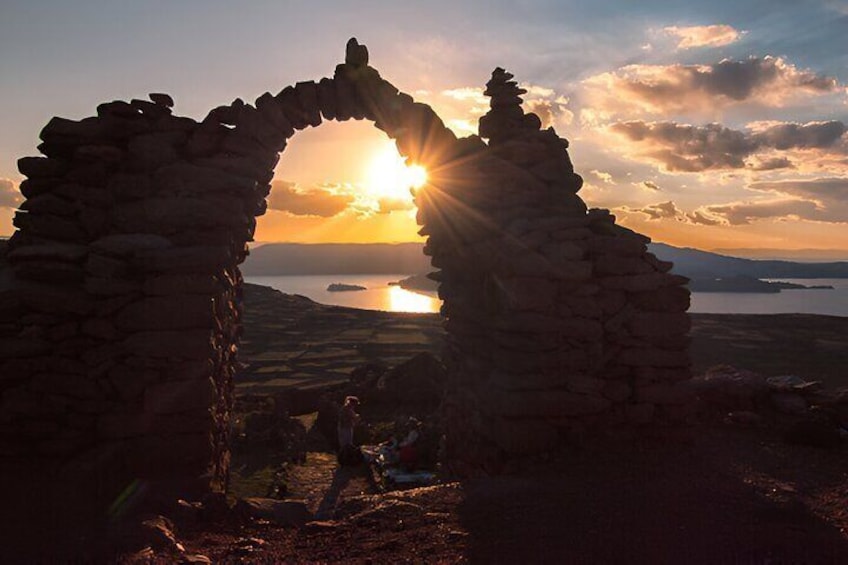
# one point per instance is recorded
(558, 320)
(120, 328)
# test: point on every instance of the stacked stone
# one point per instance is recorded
(120, 328)
(127, 293)
(558, 320)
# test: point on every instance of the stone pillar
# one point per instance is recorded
(558, 320)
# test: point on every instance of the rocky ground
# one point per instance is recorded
(726, 489)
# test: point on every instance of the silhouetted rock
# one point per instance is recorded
(419, 382)
(292, 513)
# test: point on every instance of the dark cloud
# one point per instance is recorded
(658, 89)
(687, 148)
(814, 135)
(9, 195)
(317, 201)
(771, 164)
(819, 200)
(828, 195)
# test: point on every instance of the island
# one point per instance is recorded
(341, 287)
(418, 283)
(743, 283)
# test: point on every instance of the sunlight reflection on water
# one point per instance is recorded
(402, 300)
(377, 296)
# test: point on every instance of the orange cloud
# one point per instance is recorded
(704, 36)
(9, 195)
(324, 201)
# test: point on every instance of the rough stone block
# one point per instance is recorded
(665, 393)
(180, 396)
(642, 283)
(292, 513)
(191, 260)
(653, 357)
(185, 344)
(523, 437)
(666, 299)
(68, 252)
(162, 285)
(616, 391)
(659, 323)
(584, 384)
(545, 404)
(167, 313)
(525, 293)
(640, 413)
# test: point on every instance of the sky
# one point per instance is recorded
(718, 125)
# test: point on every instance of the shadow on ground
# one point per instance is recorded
(705, 502)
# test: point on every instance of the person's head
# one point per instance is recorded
(413, 423)
(352, 401)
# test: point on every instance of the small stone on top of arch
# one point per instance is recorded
(356, 54)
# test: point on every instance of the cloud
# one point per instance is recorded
(819, 200)
(742, 213)
(702, 218)
(678, 88)
(771, 163)
(602, 176)
(388, 205)
(471, 93)
(324, 201)
(461, 107)
(551, 108)
(662, 210)
(10, 197)
(669, 211)
(829, 197)
(704, 36)
(687, 148)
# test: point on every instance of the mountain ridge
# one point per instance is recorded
(283, 259)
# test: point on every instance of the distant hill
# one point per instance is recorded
(408, 258)
(336, 259)
(697, 264)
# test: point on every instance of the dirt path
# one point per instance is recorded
(324, 485)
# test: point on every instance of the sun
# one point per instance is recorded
(389, 177)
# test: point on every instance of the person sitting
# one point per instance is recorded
(407, 450)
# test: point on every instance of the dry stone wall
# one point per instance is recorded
(558, 319)
(119, 328)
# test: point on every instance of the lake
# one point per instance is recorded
(380, 296)
(377, 296)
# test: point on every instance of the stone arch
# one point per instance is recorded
(122, 321)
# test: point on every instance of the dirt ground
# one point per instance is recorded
(712, 493)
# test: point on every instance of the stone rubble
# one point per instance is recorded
(120, 328)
